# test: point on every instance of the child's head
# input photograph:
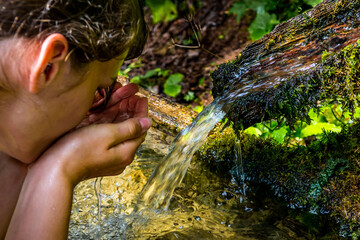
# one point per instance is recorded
(54, 54)
(95, 30)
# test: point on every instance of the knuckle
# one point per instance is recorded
(127, 160)
(134, 127)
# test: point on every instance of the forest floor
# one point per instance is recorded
(221, 38)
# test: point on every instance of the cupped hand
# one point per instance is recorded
(123, 104)
(96, 150)
(105, 142)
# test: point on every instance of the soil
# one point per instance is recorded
(221, 39)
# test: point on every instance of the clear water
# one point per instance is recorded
(171, 170)
(203, 206)
(143, 203)
(161, 204)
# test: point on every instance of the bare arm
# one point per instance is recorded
(44, 205)
(12, 175)
(103, 149)
(43, 209)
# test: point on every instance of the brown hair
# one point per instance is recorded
(95, 29)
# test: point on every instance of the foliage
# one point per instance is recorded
(162, 10)
(189, 96)
(334, 80)
(129, 68)
(269, 13)
(263, 23)
(312, 3)
(331, 118)
(171, 86)
(198, 108)
(157, 77)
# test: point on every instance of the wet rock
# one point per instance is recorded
(311, 59)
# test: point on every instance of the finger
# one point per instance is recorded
(141, 108)
(122, 92)
(126, 150)
(129, 129)
(132, 103)
(123, 106)
(116, 86)
(133, 106)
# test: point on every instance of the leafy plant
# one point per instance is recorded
(269, 13)
(162, 10)
(130, 67)
(172, 87)
(263, 23)
(159, 77)
(189, 96)
(312, 3)
(150, 78)
(198, 108)
(332, 118)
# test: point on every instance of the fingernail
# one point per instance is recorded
(145, 123)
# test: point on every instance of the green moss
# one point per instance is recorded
(322, 177)
(335, 79)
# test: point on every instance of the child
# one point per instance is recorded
(55, 54)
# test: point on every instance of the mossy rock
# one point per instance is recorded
(322, 177)
(304, 63)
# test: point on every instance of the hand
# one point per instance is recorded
(93, 151)
(103, 148)
(123, 104)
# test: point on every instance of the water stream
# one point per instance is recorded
(171, 170)
(203, 206)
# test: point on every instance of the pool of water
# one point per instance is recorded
(204, 206)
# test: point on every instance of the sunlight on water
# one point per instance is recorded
(172, 169)
(170, 172)
(203, 206)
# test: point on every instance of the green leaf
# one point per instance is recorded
(357, 113)
(201, 80)
(198, 108)
(312, 3)
(253, 131)
(189, 96)
(162, 10)
(319, 128)
(238, 9)
(136, 80)
(255, 4)
(279, 134)
(263, 23)
(164, 73)
(152, 73)
(171, 86)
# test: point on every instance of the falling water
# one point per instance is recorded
(171, 170)
(240, 168)
(97, 188)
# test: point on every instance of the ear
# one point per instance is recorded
(47, 64)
